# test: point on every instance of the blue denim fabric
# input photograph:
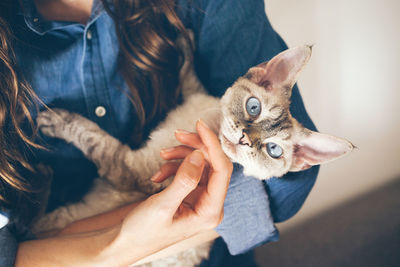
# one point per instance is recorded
(9, 246)
(244, 227)
(71, 71)
(10, 235)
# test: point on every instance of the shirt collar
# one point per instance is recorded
(39, 25)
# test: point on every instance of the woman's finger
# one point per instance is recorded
(222, 167)
(213, 146)
(189, 139)
(192, 140)
(167, 170)
(176, 152)
(186, 180)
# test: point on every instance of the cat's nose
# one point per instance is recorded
(245, 140)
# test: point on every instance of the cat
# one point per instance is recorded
(252, 120)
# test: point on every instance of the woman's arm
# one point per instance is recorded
(114, 217)
(99, 222)
(192, 204)
(80, 249)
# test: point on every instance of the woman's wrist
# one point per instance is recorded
(100, 221)
(118, 246)
(110, 245)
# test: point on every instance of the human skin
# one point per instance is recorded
(65, 10)
(191, 141)
(186, 212)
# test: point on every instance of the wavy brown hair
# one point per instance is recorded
(16, 99)
(149, 59)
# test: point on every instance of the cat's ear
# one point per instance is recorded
(314, 148)
(282, 70)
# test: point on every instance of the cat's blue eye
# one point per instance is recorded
(253, 107)
(274, 150)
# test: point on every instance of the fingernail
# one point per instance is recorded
(196, 158)
(156, 176)
(167, 149)
(203, 123)
(180, 131)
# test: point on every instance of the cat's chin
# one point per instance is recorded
(230, 150)
(228, 147)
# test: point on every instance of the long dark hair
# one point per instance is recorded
(16, 100)
(149, 61)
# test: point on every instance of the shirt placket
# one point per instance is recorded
(94, 83)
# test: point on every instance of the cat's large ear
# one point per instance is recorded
(314, 148)
(282, 70)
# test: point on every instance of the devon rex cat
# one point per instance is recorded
(252, 119)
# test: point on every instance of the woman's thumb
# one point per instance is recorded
(186, 180)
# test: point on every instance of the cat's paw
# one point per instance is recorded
(53, 122)
(55, 220)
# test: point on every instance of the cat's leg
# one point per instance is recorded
(124, 168)
(61, 217)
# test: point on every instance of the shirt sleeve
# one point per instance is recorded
(230, 37)
(9, 246)
(11, 233)
(247, 221)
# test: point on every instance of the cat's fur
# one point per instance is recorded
(125, 173)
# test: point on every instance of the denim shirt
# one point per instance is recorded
(74, 67)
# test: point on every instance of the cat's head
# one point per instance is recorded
(257, 129)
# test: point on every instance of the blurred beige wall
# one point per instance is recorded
(351, 88)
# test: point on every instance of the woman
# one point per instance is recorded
(77, 56)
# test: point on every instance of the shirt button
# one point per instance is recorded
(35, 19)
(100, 111)
(89, 35)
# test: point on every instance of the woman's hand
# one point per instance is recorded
(213, 185)
(192, 203)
